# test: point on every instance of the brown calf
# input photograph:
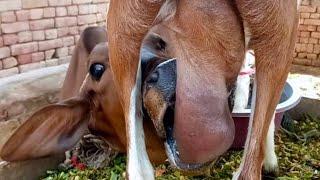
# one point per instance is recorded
(85, 104)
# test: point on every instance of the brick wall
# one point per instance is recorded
(40, 33)
(307, 50)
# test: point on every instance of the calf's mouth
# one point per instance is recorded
(159, 98)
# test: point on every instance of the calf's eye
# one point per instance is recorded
(96, 70)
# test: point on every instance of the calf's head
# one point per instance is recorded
(92, 104)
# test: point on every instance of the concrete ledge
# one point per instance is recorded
(22, 92)
(28, 170)
(21, 95)
(309, 87)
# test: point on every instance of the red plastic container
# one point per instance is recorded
(289, 99)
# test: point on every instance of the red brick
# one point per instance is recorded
(303, 48)
(4, 52)
(100, 17)
(302, 55)
(9, 5)
(93, 9)
(81, 1)
(9, 62)
(102, 8)
(98, 1)
(31, 66)
(71, 49)
(50, 44)
(305, 62)
(25, 36)
(24, 58)
(318, 28)
(313, 40)
(51, 33)
(63, 31)
(87, 19)
(316, 49)
(59, 2)
(312, 56)
(36, 13)
(62, 52)
(73, 30)
(68, 41)
(49, 12)
(304, 15)
(303, 27)
(316, 62)
(61, 11)
(23, 15)
(49, 53)
(304, 34)
(315, 16)
(38, 35)
(308, 9)
(315, 35)
(41, 24)
(25, 48)
(312, 21)
(66, 21)
(298, 47)
(312, 28)
(304, 40)
(305, 2)
(28, 4)
(73, 10)
(309, 48)
(102, 24)
(52, 62)
(84, 9)
(8, 17)
(8, 72)
(1, 41)
(14, 27)
(38, 56)
(9, 39)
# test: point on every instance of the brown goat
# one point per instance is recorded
(208, 40)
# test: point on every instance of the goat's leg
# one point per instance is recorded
(273, 25)
(128, 23)
(270, 162)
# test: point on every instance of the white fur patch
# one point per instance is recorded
(139, 166)
(243, 85)
(270, 162)
(298, 3)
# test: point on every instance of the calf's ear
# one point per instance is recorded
(51, 130)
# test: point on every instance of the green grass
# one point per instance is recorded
(298, 151)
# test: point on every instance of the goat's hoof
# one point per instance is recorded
(270, 172)
(236, 175)
(270, 165)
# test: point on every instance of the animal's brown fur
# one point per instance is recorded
(208, 44)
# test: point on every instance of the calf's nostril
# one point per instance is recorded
(153, 77)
